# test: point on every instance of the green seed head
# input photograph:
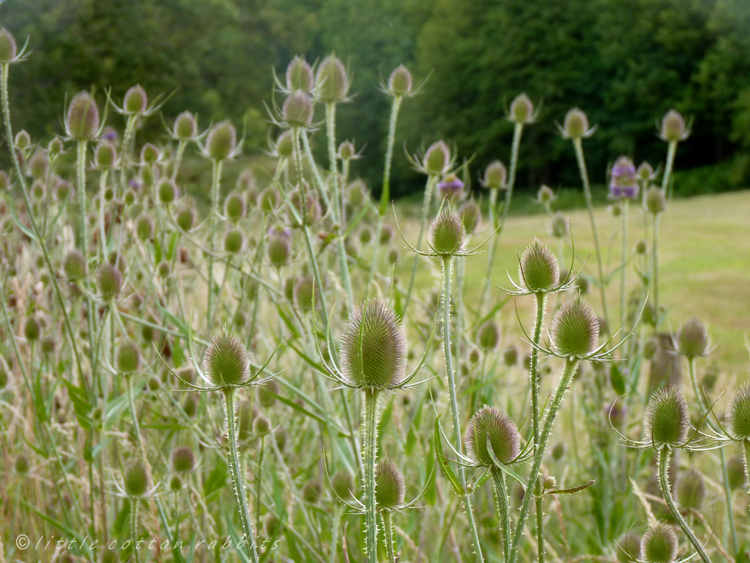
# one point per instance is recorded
(279, 247)
(234, 240)
(521, 109)
(645, 172)
(245, 180)
(55, 146)
(488, 335)
(153, 383)
(175, 483)
(272, 525)
(628, 547)
(503, 436)
(168, 191)
(299, 75)
(311, 492)
(22, 140)
(447, 233)
(437, 159)
(356, 193)
(390, 488)
(655, 200)
(227, 361)
(575, 328)
(183, 459)
(106, 155)
(298, 109)
(186, 218)
(560, 226)
(185, 127)
(32, 329)
(235, 206)
(545, 194)
(110, 281)
(311, 213)
(576, 124)
(667, 418)
(343, 483)
(128, 357)
(267, 392)
(163, 269)
(21, 464)
(135, 101)
(331, 82)
(692, 339)
(82, 121)
(393, 256)
(538, 269)
(261, 425)
(8, 48)
(736, 477)
(38, 164)
(558, 451)
(303, 292)
(144, 227)
(269, 200)
(640, 247)
(495, 176)
(373, 347)
(673, 127)
(510, 355)
(400, 82)
(738, 413)
(222, 140)
(659, 544)
(136, 480)
(690, 489)
(471, 215)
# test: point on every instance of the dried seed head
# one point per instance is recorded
(628, 547)
(168, 191)
(738, 413)
(451, 188)
(521, 109)
(8, 48)
(144, 227)
(373, 347)
(736, 477)
(136, 480)
(298, 109)
(110, 281)
(82, 122)
(538, 269)
(495, 176)
(331, 82)
(343, 483)
(186, 218)
(447, 234)
(356, 193)
(128, 357)
(38, 164)
(222, 141)
(488, 335)
(673, 127)
(576, 124)
(692, 339)
(690, 489)
(400, 82)
(471, 215)
(390, 488)
(560, 226)
(575, 328)
(235, 206)
(437, 159)
(106, 155)
(502, 432)
(659, 544)
(185, 127)
(135, 101)
(655, 200)
(667, 418)
(234, 240)
(299, 75)
(311, 492)
(261, 425)
(183, 459)
(227, 361)
(74, 265)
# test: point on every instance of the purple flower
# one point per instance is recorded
(623, 179)
(451, 188)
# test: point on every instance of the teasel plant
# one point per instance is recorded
(738, 423)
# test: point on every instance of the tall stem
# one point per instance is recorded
(429, 189)
(664, 455)
(335, 525)
(534, 380)
(655, 265)
(503, 507)
(258, 482)
(369, 453)
(82, 238)
(624, 259)
(215, 187)
(134, 414)
(590, 205)
(178, 159)
(671, 151)
(237, 475)
(388, 536)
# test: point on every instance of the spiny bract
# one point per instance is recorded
(227, 361)
(538, 269)
(575, 328)
(503, 436)
(667, 418)
(447, 233)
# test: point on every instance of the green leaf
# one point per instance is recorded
(81, 405)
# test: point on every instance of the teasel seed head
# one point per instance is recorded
(279, 247)
(488, 335)
(22, 140)
(447, 233)
(738, 413)
(576, 124)
(736, 477)
(560, 226)
(575, 328)
(74, 265)
(628, 547)
(451, 188)
(183, 459)
(471, 215)
(267, 392)
(299, 75)
(558, 451)
(261, 425)
(175, 483)
(82, 121)
(390, 487)
(346, 150)
(106, 155)
(645, 172)
(510, 355)
(303, 292)
(641, 247)
(690, 489)
(110, 281)
(521, 109)
(21, 464)
(136, 480)
(692, 339)
(222, 141)
(144, 227)
(356, 193)
(538, 269)
(342, 483)
(331, 81)
(393, 256)
(38, 164)
(186, 218)
(365, 235)
(311, 492)
(503, 436)
(373, 347)
(655, 201)
(8, 47)
(673, 127)
(495, 176)
(298, 109)
(185, 127)
(128, 357)
(312, 211)
(32, 328)
(168, 191)
(285, 144)
(437, 158)
(234, 240)
(659, 544)
(135, 101)
(227, 361)
(667, 420)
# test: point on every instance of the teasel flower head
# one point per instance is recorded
(690, 489)
(447, 234)
(493, 427)
(185, 127)
(390, 487)
(299, 75)
(110, 281)
(471, 215)
(186, 218)
(645, 172)
(692, 338)
(312, 491)
(182, 459)
(38, 164)
(307, 210)
(522, 110)
(736, 477)
(538, 269)
(235, 207)
(673, 127)
(400, 82)
(22, 140)
(495, 176)
(221, 143)
(576, 125)
(136, 480)
(150, 154)
(437, 159)
(234, 241)
(167, 191)
(623, 179)
(667, 420)
(298, 109)
(628, 547)
(8, 47)
(346, 151)
(659, 544)
(738, 414)
(105, 155)
(269, 200)
(331, 81)
(304, 291)
(135, 101)
(74, 265)
(82, 121)
(575, 329)
(488, 335)
(128, 358)
(654, 200)
(227, 361)
(279, 245)
(450, 188)
(342, 483)
(545, 195)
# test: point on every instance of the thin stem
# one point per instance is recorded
(178, 159)
(503, 507)
(388, 536)
(133, 414)
(590, 205)
(671, 151)
(655, 264)
(82, 238)
(664, 455)
(429, 189)
(369, 453)
(624, 259)
(258, 482)
(134, 527)
(335, 525)
(534, 380)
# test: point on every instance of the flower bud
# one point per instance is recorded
(690, 489)
(136, 480)
(474, 356)
(183, 459)
(450, 188)
(655, 200)
(471, 215)
(503, 436)
(538, 269)
(692, 339)
(738, 414)
(673, 127)
(185, 127)
(659, 544)
(135, 101)
(667, 419)
(575, 328)
(437, 159)
(521, 109)
(82, 122)
(488, 335)
(299, 75)
(298, 109)
(393, 256)
(390, 488)
(128, 357)
(343, 483)
(495, 176)
(109, 279)
(623, 179)
(331, 81)
(576, 124)
(106, 155)
(400, 82)
(8, 48)
(175, 483)
(640, 247)
(549, 482)
(447, 234)
(222, 141)
(22, 140)
(227, 361)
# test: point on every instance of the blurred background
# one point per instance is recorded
(624, 62)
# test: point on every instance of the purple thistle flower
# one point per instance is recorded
(623, 179)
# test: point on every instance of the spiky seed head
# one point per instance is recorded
(346, 150)
(365, 235)
(373, 347)
(545, 194)
(576, 124)
(183, 459)
(168, 191)
(144, 227)
(447, 233)
(488, 335)
(299, 75)
(549, 482)
(667, 419)
(82, 121)
(628, 547)
(503, 436)
(298, 109)
(510, 355)
(471, 215)
(175, 483)
(736, 477)
(560, 226)
(227, 361)
(437, 159)
(311, 492)
(22, 140)
(38, 164)
(640, 247)
(285, 144)
(738, 413)
(135, 101)
(21, 464)
(521, 109)
(279, 247)
(48, 347)
(538, 269)
(136, 480)
(234, 240)
(673, 126)
(222, 140)
(128, 357)
(356, 193)
(558, 451)
(8, 47)
(659, 544)
(32, 329)
(185, 127)
(267, 393)
(655, 200)
(393, 256)
(690, 489)
(74, 265)
(331, 82)
(451, 188)
(303, 292)
(269, 200)
(55, 146)
(575, 328)
(495, 176)
(692, 339)
(311, 212)
(342, 483)
(186, 218)
(400, 81)
(109, 279)
(106, 155)
(261, 425)
(390, 488)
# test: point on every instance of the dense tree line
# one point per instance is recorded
(624, 62)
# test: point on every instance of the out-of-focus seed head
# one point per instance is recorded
(135, 101)
(175, 483)
(738, 414)
(234, 240)
(692, 338)
(365, 235)
(667, 418)
(222, 141)
(4, 181)
(163, 269)
(451, 188)
(227, 361)
(659, 544)
(690, 489)
(390, 488)
(736, 477)
(615, 209)
(623, 179)
(21, 464)
(109, 279)
(558, 451)
(331, 81)
(38, 190)
(538, 269)
(545, 195)
(471, 215)
(521, 109)
(136, 480)
(32, 329)
(82, 121)
(153, 383)
(673, 127)
(373, 347)
(655, 200)
(393, 256)
(650, 348)
(342, 482)
(488, 335)
(38, 164)
(310, 213)
(261, 425)
(22, 140)
(144, 227)
(48, 347)
(267, 393)
(185, 127)
(269, 200)
(495, 176)
(640, 247)
(129, 197)
(386, 234)
(279, 246)
(8, 47)
(560, 226)
(575, 328)
(55, 146)
(168, 191)
(74, 265)
(447, 233)
(245, 179)
(186, 218)
(128, 357)
(400, 81)
(311, 492)
(272, 525)
(183, 459)
(510, 355)
(437, 159)
(235, 206)
(106, 155)
(298, 109)
(356, 193)
(628, 547)
(489, 422)
(346, 150)
(474, 356)
(150, 153)
(549, 482)
(299, 75)
(576, 124)
(285, 144)
(645, 172)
